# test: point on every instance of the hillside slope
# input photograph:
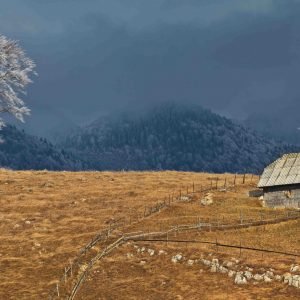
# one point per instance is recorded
(21, 151)
(174, 137)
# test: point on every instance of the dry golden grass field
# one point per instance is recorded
(47, 217)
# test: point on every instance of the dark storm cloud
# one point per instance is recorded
(99, 56)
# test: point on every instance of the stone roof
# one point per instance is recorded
(283, 171)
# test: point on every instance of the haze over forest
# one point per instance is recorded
(240, 59)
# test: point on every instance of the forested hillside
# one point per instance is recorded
(19, 150)
(174, 137)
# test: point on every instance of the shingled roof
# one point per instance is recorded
(283, 171)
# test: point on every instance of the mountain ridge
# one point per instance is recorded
(175, 137)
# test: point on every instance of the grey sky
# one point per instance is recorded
(236, 57)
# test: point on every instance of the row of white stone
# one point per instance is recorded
(232, 269)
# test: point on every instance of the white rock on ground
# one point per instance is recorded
(185, 198)
(295, 268)
(278, 278)
(248, 275)
(214, 268)
(231, 273)
(228, 264)
(206, 262)
(177, 258)
(269, 274)
(287, 278)
(207, 200)
(190, 262)
(223, 270)
(258, 277)
(151, 252)
(240, 279)
(267, 279)
(296, 281)
(162, 252)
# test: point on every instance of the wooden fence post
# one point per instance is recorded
(167, 238)
(193, 187)
(244, 178)
(57, 289)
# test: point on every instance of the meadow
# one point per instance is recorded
(47, 217)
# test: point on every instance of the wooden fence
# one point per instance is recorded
(76, 266)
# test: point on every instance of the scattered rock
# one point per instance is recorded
(142, 262)
(296, 281)
(235, 260)
(223, 270)
(177, 258)
(185, 198)
(294, 268)
(269, 274)
(214, 268)
(190, 262)
(258, 277)
(151, 252)
(206, 262)
(207, 200)
(27, 222)
(278, 277)
(287, 278)
(248, 275)
(240, 279)
(16, 226)
(129, 255)
(228, 264)
(267, 279)
(162, 252)
(231, 273)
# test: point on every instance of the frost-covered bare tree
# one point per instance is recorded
(15, 70)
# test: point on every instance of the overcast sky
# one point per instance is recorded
(94, 57)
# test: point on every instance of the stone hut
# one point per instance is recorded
(280, 182)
